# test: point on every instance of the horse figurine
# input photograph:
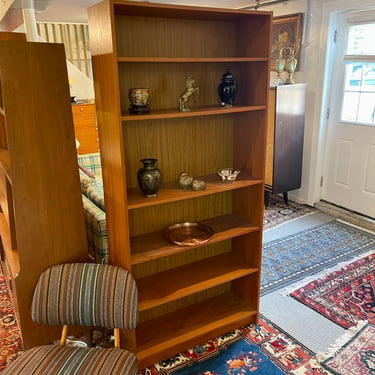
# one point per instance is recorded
(191, 89)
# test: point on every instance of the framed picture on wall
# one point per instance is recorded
(286, 37)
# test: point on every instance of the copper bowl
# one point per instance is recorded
(188, 234)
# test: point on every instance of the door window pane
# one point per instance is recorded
(359, 89)
(350, 106)
(366, 109)
(361, 40)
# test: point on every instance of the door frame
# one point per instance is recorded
(330, 10)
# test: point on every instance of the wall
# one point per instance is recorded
(308, 72)
(318, 28)
(80, 85)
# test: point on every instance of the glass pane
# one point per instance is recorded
(368, 81)
(353, 77)
(359, 93)
(361, 40)
(350, 106)
(366, 109)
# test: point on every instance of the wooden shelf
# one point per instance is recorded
(177, 11)
(182, 281)
(154, 245)
(231, 60)
(195, 324)
(174, 113)
(169, 192)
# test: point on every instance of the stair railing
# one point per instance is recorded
(75, 38)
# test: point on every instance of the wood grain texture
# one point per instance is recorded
(41, 173)
(195, 323)
(85, 128)
(270, 139)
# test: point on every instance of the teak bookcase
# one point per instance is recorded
(186, 294)
(41, 217)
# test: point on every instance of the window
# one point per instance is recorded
(359, 90)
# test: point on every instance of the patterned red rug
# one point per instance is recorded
(10, 340)
(354, 354)
(345, 295)
(256, 349)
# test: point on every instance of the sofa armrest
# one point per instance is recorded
(96, 226)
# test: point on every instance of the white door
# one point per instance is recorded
(349, 170)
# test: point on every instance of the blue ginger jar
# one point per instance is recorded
(227, 89)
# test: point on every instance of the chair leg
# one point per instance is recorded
(116, 334)
(64, 334)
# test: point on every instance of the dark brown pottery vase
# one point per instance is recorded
(149, 178)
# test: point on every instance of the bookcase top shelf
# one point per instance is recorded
(231, 60)
(143, 9)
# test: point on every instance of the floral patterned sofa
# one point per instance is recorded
(90, 173)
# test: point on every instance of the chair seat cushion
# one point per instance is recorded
(67, 360)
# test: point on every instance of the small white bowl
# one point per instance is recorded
(228, 174)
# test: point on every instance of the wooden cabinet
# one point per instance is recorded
(41, 218)
(85, 128)
(286, 121)
(186, 294)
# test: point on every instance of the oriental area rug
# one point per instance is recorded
(278, 212)
(345, 295)
(256, 349)
(297, 256)
(354, 354)
(10, 340)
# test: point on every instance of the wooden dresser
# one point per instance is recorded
(286, 121)
(85, 127)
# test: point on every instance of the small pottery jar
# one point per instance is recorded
(139, 96)
(139, 100)
(227, 89)
(149, 178)
(184, 181)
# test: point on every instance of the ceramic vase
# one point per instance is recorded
(227, 89)
(279, 66)
(149, 177)
(139, 100)
(290, 67)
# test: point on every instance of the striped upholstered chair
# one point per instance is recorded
(83, 294)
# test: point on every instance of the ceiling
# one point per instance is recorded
(75, 10)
